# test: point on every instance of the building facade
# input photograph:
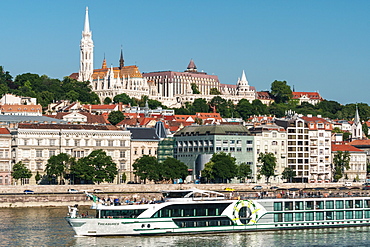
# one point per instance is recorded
(5, 157)
(34, 144)
(195, 145)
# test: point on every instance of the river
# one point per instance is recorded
(47, 227)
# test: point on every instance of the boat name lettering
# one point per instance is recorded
(108, 224)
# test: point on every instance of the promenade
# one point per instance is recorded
(57, 195)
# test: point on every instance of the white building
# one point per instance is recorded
(34, 144)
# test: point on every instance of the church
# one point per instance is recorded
(172, 89)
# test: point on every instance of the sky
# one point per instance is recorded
(316, 46)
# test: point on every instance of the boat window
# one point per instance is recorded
(132, 213)
(278, 206)
(358, 203)
(339, 204)
(319, 215)
(358, 214)
(329, 205)
(349, 214)
(299, 217)
(309, 216)
(367, 214)
(320, 205)
(279, 217)
(188, 210)
(288, 217)
(309, 205)
(288, 205)
(299, 205)
(203, 222)
(367, 203)
(329, 215)
(339, 215)
(175, 194)
(349, 204)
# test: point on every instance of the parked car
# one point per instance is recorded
(72, 191)
(258, 187)
(274, 188)
(98, 191)
(347, 184)
(366, 184)
(28, 191)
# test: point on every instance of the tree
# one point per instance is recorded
(107, 101)
(20, 171)
(37, 177)
(200, 105)
(147, 167)
(268, 161)
(124, 99)
(244, 170)
(115, 117)
(194, 87)
(172, 168)
(214, 91)
(97, 167)
(58, 165)
(281, 91)
(244, 108)
(288, 174)
(341, 162)
(208, 172)
(224, 166)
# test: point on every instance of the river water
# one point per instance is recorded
(47, 227)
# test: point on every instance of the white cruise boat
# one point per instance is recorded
(199, 211)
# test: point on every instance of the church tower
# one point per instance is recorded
(86, 52)
(356, 127)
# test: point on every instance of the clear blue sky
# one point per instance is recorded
(313, 45)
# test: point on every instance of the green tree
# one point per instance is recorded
(115, 117)
(224, 166)
(244, 171)
(268, 161)
(244, 108)
(172, 168)
(288, 174)
(105, 170)
(341, 162)
(258, 108)
(208, 172)
(214, 91)
(154, 104)
(124, 99)
(365, 129)
(37, 177)
(58, 166)
(194, 88)
(199, 105)
(107, 101)
(20, 171)
(147, 168)
(281, 91)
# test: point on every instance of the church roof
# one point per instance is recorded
(125, 71)
(192, 65)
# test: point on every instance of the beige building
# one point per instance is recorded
(5, 160)
(34, 144)
(357, 162)
(144, 141)
(270, 139)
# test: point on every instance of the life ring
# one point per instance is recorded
(252, 210)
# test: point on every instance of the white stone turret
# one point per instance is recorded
(242, 85)
(86, 52)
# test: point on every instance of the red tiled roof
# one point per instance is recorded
(66, 126)
(360, 143)
(91, 118)
(311, 95)
(4, 131)
(99, 107)
(349, 148)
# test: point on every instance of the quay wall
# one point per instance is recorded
(57, 195)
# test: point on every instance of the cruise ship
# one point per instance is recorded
(200, 211)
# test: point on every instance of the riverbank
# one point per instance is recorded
(57, 195)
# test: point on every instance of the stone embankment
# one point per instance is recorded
(57, 195)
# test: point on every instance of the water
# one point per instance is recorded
(47, 227)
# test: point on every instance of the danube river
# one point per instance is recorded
(47, 227)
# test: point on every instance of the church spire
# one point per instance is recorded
(191, 67)
(87, 24)
(357, 117)
(121, 60)
(104, 65)
(86, 52)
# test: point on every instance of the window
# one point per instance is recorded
(358, 214)
(309, 216)
(288, 217)
(77, 142)
(319, 215)
(349, 204)
(122, 143)
(358, 204)
(329, 204)
(98, 143)
(51, 153)
(38, 153)
(339, 215)
(299, 217)
(279, 217)
(278, 206)
(329, 215)
(288, 205)
(299, 205)
(52, 142)
(349, 214)
(110, 143)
